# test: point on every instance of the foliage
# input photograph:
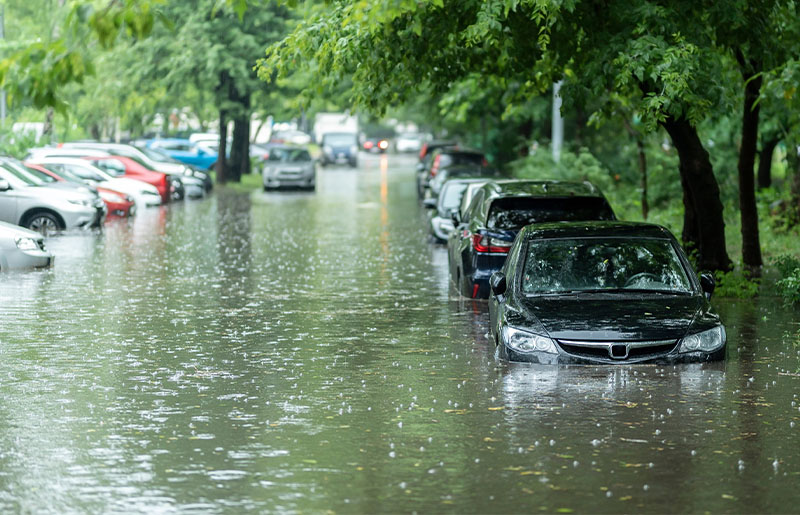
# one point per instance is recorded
(16, 144)
(737, 285)
(789, 285)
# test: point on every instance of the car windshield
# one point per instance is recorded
(450, 197)
(156, 155)
(65, 174)
(289, 155)
(88, 172)
(602, 264)
(22, 174)
(339, 140)
(460, 158)
(516, 212)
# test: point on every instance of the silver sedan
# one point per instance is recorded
(289, 166)
(21, 248)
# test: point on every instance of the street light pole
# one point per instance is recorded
(558, 123)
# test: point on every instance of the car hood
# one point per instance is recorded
(131, 185)
(8, 230)
(170, 168)
(71, 186)
(604, 317)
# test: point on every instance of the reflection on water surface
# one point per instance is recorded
(300, 351)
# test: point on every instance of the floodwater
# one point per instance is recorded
(291, 351)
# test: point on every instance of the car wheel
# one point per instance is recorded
(43, 222)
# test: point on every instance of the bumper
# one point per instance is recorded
(84, 218)
(21, 259)
(564, 358)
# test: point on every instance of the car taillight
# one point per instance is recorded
(484, 162)
(435, 167)
(483, 243)
(423, 151)
(368, 145)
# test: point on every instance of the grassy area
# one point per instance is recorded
(250, 182)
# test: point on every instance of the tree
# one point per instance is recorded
(391, 50)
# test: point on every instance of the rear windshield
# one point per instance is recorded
(517, 212)
(466, 158)
(339, 140)
(289, 155)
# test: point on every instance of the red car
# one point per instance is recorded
(118, 204)
(119, 166)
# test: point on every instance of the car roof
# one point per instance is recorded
(533, 188)
(596, 230)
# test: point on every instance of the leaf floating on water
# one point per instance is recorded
(531, 473)
(456, 411)
(496, 408)
(490, 439)
(564, 510)
(626, 498)
(728, 497)
(310, 462)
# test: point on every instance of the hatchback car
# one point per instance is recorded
(22, 248)
(185, 151)
(460, 172)
(602, 292)
(499, 209)
(287, 166)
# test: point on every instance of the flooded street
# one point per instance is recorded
(294, 351)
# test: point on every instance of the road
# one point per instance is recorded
(292, 351)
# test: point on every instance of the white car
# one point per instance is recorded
(143, 194)
(21, 248)
(409, 142)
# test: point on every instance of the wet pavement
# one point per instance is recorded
(294, 351)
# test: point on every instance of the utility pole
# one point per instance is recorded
(558, 123)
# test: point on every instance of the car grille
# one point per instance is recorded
(617, 351)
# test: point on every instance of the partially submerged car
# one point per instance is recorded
(22, 248)
(440, 218)
(602, 292)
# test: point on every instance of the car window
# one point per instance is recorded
(339, 140)
(62, 172)
(46, 179)
(517, 212)
(84, 172)
(563, 265)
(450, 197)
(111, 166)
(289, 155)
(21, 174)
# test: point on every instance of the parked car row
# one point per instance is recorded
(566, 282)
(79, 185)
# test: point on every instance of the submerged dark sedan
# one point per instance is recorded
(602, 292)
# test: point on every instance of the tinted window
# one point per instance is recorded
(289, 155)
(516, 212)
(467, 158)
(561, 265)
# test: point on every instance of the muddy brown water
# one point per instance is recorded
(301, 352)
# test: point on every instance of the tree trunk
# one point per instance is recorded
(793, 167)
(240, 147)
(703, 221)
(222, 161)
(751, 246)
(765, 161)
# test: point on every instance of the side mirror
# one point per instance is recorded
(429, 203)
(455, 217)
(497, 282)
(707, 283)
(4, 185)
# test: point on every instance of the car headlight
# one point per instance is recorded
(85, 203)
(354, 149)
(523, 341)
(26, 244)
(328, 149)
(706, 341)
(111, 197)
